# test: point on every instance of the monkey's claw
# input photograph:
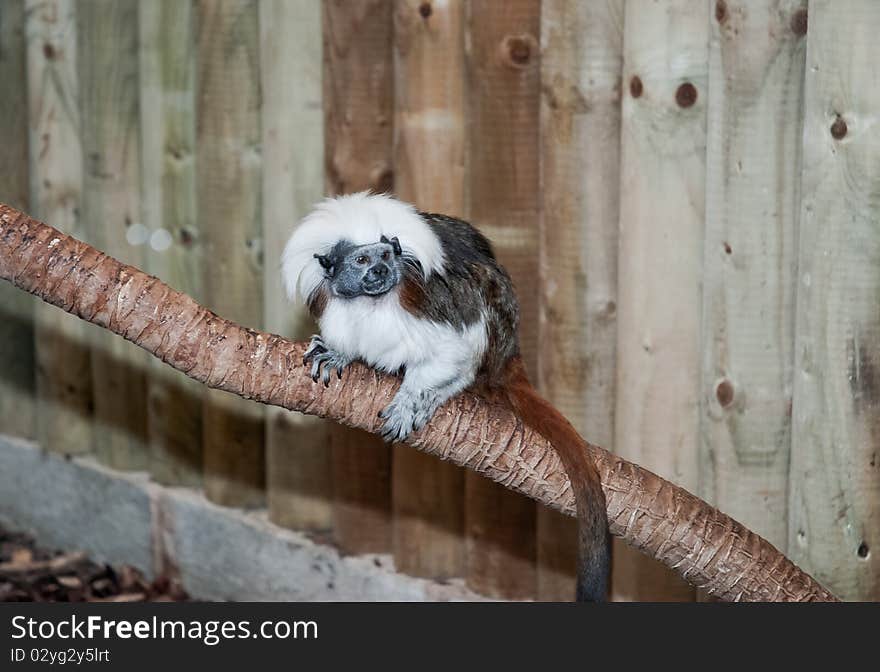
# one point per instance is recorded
(324, 361)
(397, 423)
(316, 347)
(394, 432)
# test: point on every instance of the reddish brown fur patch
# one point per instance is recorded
(318, 301)
(412, 296)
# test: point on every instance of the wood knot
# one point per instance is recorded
(724, 393)
(799, 22)
(425, 10)
(838, 128)
(635, 86)
(186, 237)
(686, 95)
(49, 51)
(518, 50)
(721, 11)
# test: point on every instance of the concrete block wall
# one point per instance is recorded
(218, 553)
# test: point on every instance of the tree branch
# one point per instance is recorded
(709, 549)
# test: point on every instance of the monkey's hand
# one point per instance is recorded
(324, 360)
(425, 388)
(408, 412)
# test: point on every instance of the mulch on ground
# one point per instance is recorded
(29, 573)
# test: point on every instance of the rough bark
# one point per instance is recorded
(708, 548)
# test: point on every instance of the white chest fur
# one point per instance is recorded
(382, 334)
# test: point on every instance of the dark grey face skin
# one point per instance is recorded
(362, 270)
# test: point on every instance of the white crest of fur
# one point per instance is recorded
(360, 218)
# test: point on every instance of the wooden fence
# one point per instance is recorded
(685, 192)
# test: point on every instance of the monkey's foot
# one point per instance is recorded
(324, 361)
(408, 412)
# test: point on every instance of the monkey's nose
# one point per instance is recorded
(377, 272)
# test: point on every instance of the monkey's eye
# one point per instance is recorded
(385, 255)
(363, 259)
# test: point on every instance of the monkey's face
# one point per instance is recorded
(357, 270)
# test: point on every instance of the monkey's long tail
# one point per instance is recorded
(594, 541)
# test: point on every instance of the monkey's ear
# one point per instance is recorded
(325, 261)
(394, 242)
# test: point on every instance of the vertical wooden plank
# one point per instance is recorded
(13, 106)
(16, 308)
(298, 484)
(228, 201)
(663, 148)
(581, 63)
(358, 99)
(756, 70)
(108, 75)
(64, 383)
(168, 207)
(834, 523)
(429, 159)
(504, 79)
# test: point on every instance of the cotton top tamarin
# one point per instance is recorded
(422, 295)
